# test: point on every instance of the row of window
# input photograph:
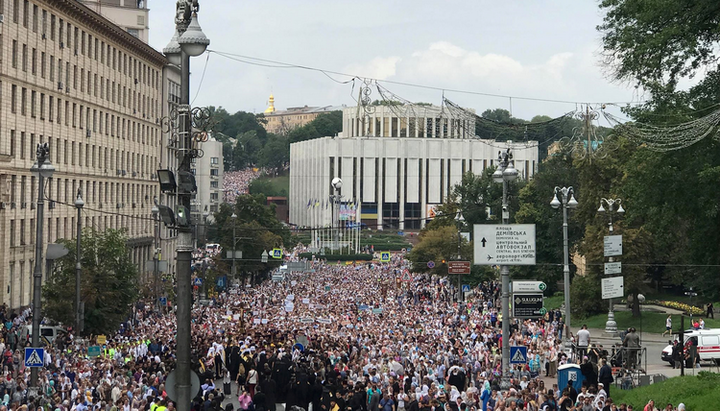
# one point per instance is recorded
(82, 43)
(54, 109)
(84, 80)
(95, 193)
(115, 162)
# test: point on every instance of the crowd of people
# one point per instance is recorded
(236, 183)
(345, 337)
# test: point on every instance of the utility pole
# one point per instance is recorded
(79, 203)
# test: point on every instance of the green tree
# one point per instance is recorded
(657, 43)
(109, 282)
(324, 125)
(438, 245)
(276, 152)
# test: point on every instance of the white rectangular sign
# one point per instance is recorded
(613, 287)
(613, 245)
(613, 268)
(504, 244)
(527, 287)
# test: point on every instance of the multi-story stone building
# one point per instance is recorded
(283, 121)
(95, 93)
(130, 15)
(208, 171)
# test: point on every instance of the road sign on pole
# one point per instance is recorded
(498, 244)
(431, 264)
(458, 267)
(385, 256)
(276, 253)
(613, 287)
(613, 268)
(528, 287)
(466, 288)
(612, 245)
(527, 305)
(34, 357)
(518, 355)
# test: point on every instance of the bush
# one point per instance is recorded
(338, 257)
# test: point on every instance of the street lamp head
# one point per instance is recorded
(337, 183)
(193, 42)
(620, 208)
(498, 175)
(555, 203)
(79, 203)
(601, 209)
(154, 211)
(47, 169)
(510, 173)
(172, 50)
(233, 216)
(459, 217)
(572, 203)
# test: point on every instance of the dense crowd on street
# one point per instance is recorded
(346, 337)
(236, 183)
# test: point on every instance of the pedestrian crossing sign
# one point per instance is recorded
(34, 357)
(406, 276)
(518, 355)
(385, 256)
(276, 253)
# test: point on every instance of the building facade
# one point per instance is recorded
(71, 78)
(422, 121)
(392, 182)
(283, 121)
(208, 171)
(130, 15)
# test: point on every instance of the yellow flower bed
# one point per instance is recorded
(681, 306)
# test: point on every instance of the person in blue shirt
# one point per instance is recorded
(485, 395)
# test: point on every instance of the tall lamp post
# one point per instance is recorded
(567, 194)
(459, 220)
(614, 205)
(156, 254)
(79, 203)
(43, 169)
(234, 267)
(188, 41)
(336, 198)
(505, 173)
(206, 214)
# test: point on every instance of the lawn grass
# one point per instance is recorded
(649, 322)
(554, 302)
(696, 392)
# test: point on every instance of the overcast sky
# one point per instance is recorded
(545, 49)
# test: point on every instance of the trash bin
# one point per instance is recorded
(570, 372)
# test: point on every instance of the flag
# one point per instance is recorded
(309, 203)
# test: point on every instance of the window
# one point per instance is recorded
(23, 102)
(52, 27)
(35, 19)
(13, 99)
(24, 57)
(12, 146)
(213, 171)
(52, 68)
(16, 10)
(42, 64)
(214, 196)
(26, 13)
(51, 108)
(22, 146)
(214, 184)
(214, 160)
(33, 100)
(42, 106)
(34, 61)
(14, 53)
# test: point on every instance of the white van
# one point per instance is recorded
(708, 345)
(49, 332)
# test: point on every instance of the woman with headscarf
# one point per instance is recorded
(485, 395)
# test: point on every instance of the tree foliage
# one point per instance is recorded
(324, 125)
(109, 282)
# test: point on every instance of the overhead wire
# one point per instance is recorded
(278, 64)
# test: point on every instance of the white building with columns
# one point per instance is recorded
(396, 176)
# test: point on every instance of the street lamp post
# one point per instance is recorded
(44, 169)
(188, 41)
(156, 254)
(459, 219)
(614, 206)
(336, 198)
(79, 203)
(568, 201)
(505, 173)
(205, 226)
(234, 267)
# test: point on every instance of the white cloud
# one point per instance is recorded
(380, 68)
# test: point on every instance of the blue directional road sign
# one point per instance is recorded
(163, 301)
(93, 351)
(518, 355)
(34, 357)
(385, 256)
(466, 288)
(431, 264)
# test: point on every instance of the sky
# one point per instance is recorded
(540, 49)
